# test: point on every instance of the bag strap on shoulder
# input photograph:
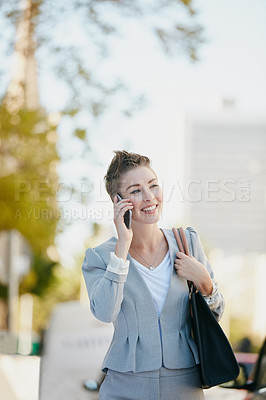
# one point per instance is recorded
(182, 243)
(181, 239)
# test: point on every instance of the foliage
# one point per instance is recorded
(3, 291)
(74, 51)
(65, 287)
(28, 178)
(40, 276)
(28, 186)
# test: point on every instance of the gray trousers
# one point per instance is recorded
(163, 384)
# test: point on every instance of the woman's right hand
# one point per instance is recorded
(125, 235)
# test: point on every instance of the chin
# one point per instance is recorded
(151, 220)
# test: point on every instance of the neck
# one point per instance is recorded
(145, 236)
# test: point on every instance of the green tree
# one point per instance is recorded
(28, 185)
(28, 176)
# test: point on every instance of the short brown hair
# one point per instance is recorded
(121, 163)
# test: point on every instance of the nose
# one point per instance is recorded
(147, 194)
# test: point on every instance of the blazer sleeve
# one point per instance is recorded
(216, 300)
(105, 288)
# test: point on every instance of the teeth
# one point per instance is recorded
(149, 208)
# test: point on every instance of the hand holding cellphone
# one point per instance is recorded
(127, 215)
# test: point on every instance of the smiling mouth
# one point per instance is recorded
(150, 209)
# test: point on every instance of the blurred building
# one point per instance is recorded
(226, 180)
(15, 256)
(225, 199)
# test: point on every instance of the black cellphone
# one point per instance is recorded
(127, 215)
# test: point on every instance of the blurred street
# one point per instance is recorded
(218, 393)
(19, 377)
(19, 380)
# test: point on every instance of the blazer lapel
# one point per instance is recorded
(176, 283)
(136, 281)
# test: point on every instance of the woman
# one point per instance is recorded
(138, 281)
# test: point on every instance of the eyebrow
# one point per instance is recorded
(137, 184)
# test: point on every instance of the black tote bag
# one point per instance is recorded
(217, 360)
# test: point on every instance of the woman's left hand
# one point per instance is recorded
(189, 268)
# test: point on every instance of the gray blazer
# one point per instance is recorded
(126, 302)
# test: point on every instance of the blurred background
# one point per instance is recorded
(182, 82)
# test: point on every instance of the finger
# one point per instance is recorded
(120, 212)
(177, 265)
(119, 205)
(178, 270)
(181, 255)
(122, 207)
(123, 200)
(126, 208)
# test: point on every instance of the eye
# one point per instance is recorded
(154, 185)
(135, 191)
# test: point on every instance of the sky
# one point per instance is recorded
(232, 65)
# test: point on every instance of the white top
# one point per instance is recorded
(157, 280)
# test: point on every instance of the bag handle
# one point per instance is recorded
(182, 243)
(181, 240)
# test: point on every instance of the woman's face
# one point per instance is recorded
(141, 186)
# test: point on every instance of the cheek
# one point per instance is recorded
(159, 195)
(136, 205)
